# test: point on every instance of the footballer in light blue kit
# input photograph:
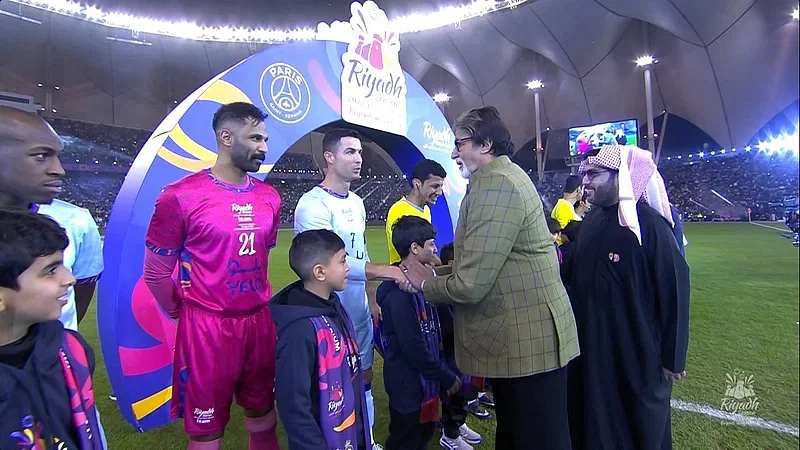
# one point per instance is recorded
(332, 206)
(31, 176)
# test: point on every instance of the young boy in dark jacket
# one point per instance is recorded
(414, 372)
(319, 386)
(46, 399)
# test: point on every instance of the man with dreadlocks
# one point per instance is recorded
(630, 295)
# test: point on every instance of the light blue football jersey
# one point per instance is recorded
(319, 209)
(84, 254)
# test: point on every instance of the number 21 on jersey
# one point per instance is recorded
(248, 241)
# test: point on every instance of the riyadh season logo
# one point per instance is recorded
(439, 140)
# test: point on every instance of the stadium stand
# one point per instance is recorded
(722, 187)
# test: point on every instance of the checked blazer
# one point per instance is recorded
(511, 313)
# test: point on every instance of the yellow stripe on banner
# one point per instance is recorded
(190, 165)
(191, 147)
(223, 93)
(194, 165)
(147, 405)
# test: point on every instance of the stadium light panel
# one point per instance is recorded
(535, 84)
(646, 60)
(441, 97)
(412, 23)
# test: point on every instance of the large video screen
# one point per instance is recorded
(591, 137)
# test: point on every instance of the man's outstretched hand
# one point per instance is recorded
(396, 274)
(416, 272)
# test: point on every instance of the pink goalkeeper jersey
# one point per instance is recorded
(223, 234)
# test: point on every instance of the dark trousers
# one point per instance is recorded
(453, 416)
(532, 412)
(406, 433)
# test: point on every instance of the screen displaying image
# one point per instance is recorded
(591, 137)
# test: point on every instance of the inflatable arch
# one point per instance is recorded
(300, 86)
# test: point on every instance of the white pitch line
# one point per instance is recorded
(771, 228)
(752, 422)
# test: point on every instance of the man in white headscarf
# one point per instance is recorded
(630, 294)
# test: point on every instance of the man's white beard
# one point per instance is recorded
(465, 172)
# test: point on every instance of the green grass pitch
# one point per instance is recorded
(744, 317)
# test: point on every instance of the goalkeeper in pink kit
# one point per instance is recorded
(220, 225)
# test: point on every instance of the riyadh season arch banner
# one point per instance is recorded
(351, 72)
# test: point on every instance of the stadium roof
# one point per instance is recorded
(728, 66)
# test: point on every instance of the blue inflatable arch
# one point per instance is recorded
(299, 86)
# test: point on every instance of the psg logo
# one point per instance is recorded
(285, 93)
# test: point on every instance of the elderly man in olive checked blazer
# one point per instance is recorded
(513, 320)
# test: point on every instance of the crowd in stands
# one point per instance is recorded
(112, 141)
(721, 187)
(725, 186)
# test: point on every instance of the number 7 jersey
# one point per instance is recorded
(223, 234)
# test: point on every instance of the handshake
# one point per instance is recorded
(414, 275)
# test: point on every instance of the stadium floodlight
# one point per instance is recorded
(701, 154)
(441, 97)
(535, 84)
(722, 151)
(796, 14)
(189, 30)
(645, 60)
(93, 13)
(747, 148)
(713, 153)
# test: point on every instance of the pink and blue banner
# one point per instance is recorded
(299, 86)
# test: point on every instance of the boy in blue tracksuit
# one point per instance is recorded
(46, 399)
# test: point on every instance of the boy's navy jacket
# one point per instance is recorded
(296, 366)
(406, 356)
(33, 393)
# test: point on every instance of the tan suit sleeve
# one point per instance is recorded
(493, 215)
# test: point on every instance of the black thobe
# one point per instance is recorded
(631, 306)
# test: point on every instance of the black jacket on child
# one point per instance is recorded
(406, 356)
(34, 403)
(297, 365)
